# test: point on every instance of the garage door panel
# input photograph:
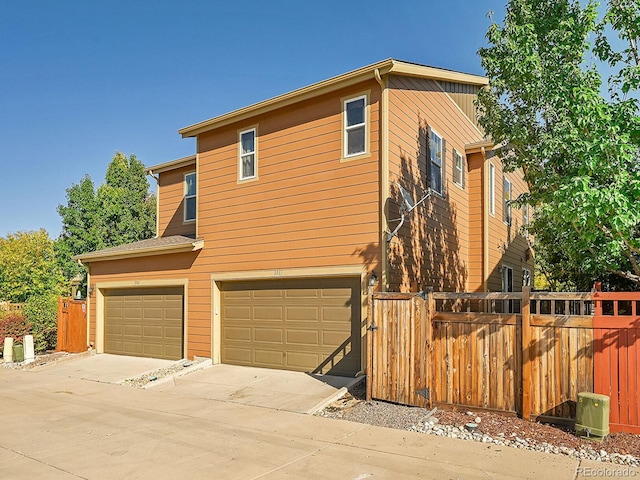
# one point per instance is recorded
(268, 335)
(310, 325)
(239, 356)
(238, 334)
(302, 293)
(268, 358)
(144, 322)
(302, 314)
(268, 313)
(303, 337)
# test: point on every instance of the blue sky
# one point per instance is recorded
(82, 79)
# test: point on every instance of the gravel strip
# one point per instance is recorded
(491, 428)
(143, 380)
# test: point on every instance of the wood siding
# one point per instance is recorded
(171, 203)
(464, 95)
(432, 248)
(307, 208)
(507, 245)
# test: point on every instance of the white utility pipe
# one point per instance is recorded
(29, 350)
(7, 353)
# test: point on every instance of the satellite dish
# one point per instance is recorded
(408, 205)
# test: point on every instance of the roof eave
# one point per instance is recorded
(172, 165)
(143, 252)
(335, 83)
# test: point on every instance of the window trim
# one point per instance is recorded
(507, 214)
(185, 197)
(525, 218)
(367, 151)
(254, 177)
(456, 155)
(492, 189)
(442, 162)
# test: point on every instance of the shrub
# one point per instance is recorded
(14, 326)
(41, 312)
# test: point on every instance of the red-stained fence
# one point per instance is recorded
(616, 339)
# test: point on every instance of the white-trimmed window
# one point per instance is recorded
(506, 207)
(526, 277)
(525, 218)
(355, 126)
(247, 159)
(190, 197)
(435, 162)
(458, 169)
(492, 189)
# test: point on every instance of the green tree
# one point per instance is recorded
(121, 210)
(28, 266)
(577, 146)
(81, 226)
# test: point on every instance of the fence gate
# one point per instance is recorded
(72, 325)
(398, 364)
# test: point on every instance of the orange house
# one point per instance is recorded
(269, 235)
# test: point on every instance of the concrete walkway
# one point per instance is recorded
(58, 427)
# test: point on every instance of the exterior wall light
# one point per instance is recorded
(373, 279)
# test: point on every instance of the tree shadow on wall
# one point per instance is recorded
(426, 252)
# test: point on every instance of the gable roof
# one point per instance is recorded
(389, 66)
(143, 248)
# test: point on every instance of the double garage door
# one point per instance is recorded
(308, 325)
(144, 322)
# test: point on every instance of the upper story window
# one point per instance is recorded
(355, 126)
(525, 217)
(190, 197)
(492, 189)
(435, 162)
(458, 169)
(247, 161)
(506, 208)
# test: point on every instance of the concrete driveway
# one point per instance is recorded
(64, 428)
(260, 387)
(104, 367)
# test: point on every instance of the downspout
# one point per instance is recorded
(384, 178)
(485, 222)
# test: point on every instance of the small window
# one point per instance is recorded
(526, 277)
(492, 189)
(435, 162)
(458, 169)
(190, 197)
(355, 126)
(525, 218)
(247, 163)
(506, 209)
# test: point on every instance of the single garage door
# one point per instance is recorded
(307, 325)
(144, 322)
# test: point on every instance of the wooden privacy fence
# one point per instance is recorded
(72, 325)
(616, 355)
(534, 362)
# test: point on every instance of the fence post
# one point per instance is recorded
(369, 370)
(431, 310)
(526, 353)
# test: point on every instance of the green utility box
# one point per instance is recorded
(18, 352)
(592, 415)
